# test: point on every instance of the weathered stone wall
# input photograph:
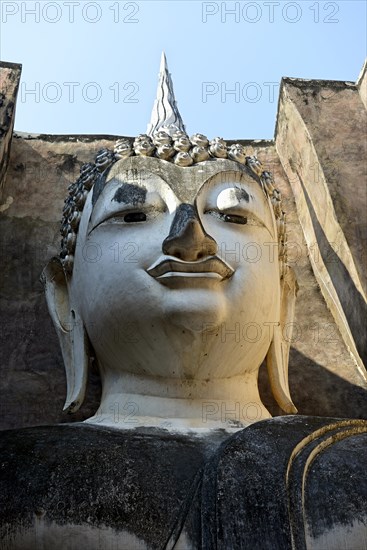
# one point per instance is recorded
(325, 378)
(9, 83)
(320, 139)
(362, 84)
(32, 380)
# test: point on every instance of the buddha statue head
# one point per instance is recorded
(173, 277)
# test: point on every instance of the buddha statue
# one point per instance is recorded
(173, 280)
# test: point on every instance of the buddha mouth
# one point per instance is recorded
(212, 268)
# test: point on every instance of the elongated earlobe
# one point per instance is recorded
(278, 354)
(70, 331)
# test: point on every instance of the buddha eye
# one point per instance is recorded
(229, 218)
(135, 217)
(232, 218)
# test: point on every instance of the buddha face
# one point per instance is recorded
(178, 262)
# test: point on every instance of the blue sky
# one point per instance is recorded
(92, 67)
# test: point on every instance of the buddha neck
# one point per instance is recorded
(131, 401)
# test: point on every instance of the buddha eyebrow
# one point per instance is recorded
(130, 194)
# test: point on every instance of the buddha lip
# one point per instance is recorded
(210, 267)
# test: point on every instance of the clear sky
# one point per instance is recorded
(91, 67)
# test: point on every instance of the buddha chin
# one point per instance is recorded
(177, 341)
(195, 309)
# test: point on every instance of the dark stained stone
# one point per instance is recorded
(239, 491)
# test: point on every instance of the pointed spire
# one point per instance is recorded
(165, 112)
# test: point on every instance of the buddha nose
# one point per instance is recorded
(187, 239)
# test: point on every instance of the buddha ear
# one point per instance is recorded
(70, 331)
(278, 354)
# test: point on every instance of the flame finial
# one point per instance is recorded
(165, 114)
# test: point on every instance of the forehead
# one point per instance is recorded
(153, 174)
